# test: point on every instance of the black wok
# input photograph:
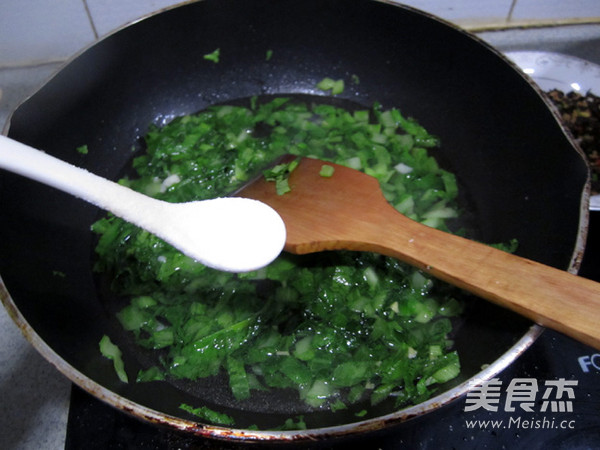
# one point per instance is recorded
(519, 173)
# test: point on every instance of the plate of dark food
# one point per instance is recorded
(573, 86)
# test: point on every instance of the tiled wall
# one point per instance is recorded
(34, 31)
(477, 14)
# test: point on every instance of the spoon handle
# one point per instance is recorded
(551, 297)
(37, 165)
(232, 234)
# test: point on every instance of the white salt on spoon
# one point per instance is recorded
(231, 234)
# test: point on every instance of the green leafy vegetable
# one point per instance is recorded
(112, 352)
(151, 374)
(210, 415)
(509, 247)
(213, 56)
(328, 84)
(293, 424)
(327, 171)
(280, 175)
(339, 327)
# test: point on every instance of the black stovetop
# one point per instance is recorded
(569, 419)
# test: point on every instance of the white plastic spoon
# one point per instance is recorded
(230, 233)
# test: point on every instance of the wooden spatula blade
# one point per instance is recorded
(334, 212)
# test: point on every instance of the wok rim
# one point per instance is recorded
(199, 429)
(218, 432)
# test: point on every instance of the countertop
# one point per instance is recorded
(35, 396)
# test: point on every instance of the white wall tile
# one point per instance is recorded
(536, 10)
(42, 30)
(46, 30)
(465, 12)
(16, 84)
(109, 15)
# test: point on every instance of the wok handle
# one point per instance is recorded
(551, 297)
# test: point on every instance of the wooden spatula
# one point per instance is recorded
(347, 211)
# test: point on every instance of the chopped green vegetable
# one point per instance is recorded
(339, 327)
(291, 424)
(210, 415)
(213, 56)
(328, 84)
(327, 171)
(509, 247)
(280, 174)
(269, 55)
(238, 378)
(83, 149)
(112, 352)
(151, 374)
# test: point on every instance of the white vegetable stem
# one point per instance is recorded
(232, 234)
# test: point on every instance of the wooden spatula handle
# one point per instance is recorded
(548, 296)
